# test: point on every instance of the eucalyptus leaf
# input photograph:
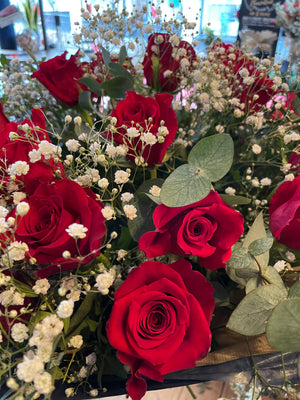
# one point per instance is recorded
(272, 277)
(106, 56)
(251, 314)
(260, 246)
(117, 87)
(92, 84)
(233, 275)
(122, 55)
(118, 70)
(240, 258)
(213, 155)
(84, 101)
(257, 231)
(183, 187)
(283, 327)
(234, 200)
(295, 290)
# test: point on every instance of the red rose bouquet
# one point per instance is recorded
(149, 210)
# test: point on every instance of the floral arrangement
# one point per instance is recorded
(288, 16)
(138, 190)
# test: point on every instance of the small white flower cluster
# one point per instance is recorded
(105, 280)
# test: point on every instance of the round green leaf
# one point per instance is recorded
(295, 290)
(251, 314)
(213, 155)
(260, 246)
(184, 186)
(283, 327)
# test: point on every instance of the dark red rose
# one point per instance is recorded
(3, 118)
(53, 207)
(60, 76)
(17, 149)
(284, 211)
(234, 61)
(135, 111)
(207, 229)
(163, 65)
(160, 321)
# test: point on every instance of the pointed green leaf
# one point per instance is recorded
(295, 290)
(84, 101)
(106, 57)
(213, 155)
(283, 327)
(117, 87)
(27, 290)
(257, 231)
(251, 314)
(184, 186)
(234, 200)
(92, 84)
(118, 70)
(122, 55)
(260, 246)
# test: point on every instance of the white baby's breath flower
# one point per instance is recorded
(47, 149)
(105, 280)
(68, 119)
(69, 392)
(77, 231)
(111, 151)
(130, 211)
(78, 121)
(289, 177)
(29, 367)
(41, 286)
(149, 138)
(280, 265)
(3, 212)
(103, 183)
(17, 250)
(34, 156)
(17, 198)
(121, 150)
(22, 208)
(76, 341)
(256, 148)
(126, 197)
(43, 383)
(121, 177)
(230, 190)
(65, 308)
(108, 212)
(73, 145)
(3, 225)
(155, 190)
(18, 168)
(255, 182)
(121, 254)
(290, 256)
(132, 132)
(19, 332)
(265, 181)
(139, 160)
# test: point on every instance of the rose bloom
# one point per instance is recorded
(53, 207)
(157, 64)
(206, 229)
(262, 85)
(12, 151)
(160, 321)
(138, 108)
(60, 76)
(284, 211)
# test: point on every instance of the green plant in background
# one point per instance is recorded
(31, 14)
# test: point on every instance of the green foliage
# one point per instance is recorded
(251, 314)
(209, 160)
(283, 327)
(31, 14)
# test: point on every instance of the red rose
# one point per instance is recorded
(17, 149)
(160, 321)
(244, 87)
(60, 76)
(53, 207)
(207, 229)
(137, 109)
(163, 63)
(284, 211)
